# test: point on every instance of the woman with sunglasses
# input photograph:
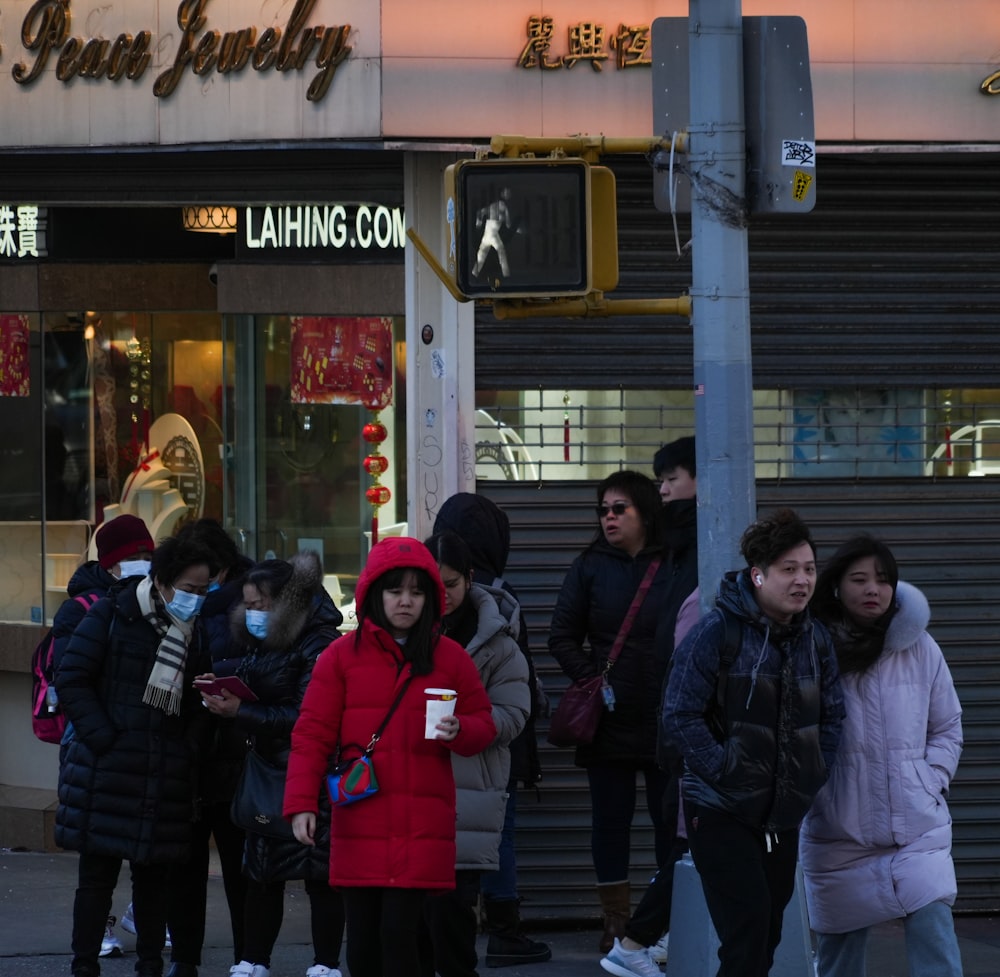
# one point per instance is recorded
(594, 601)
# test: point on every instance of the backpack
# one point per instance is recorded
(48, 721)
(667, 756)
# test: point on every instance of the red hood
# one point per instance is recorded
(399, 551)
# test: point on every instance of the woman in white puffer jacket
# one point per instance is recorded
(876, 844)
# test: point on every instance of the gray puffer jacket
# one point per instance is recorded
(783, 711)
(481, 780)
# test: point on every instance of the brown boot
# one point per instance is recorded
(616, 908)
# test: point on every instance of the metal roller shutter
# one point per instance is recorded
(944, 533)
(891, 279)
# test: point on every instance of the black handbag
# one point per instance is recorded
(259, 797)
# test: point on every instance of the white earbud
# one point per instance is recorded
(759, 579)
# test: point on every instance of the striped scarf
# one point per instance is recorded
(165, 686)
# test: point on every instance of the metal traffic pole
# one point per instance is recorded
(720, 292)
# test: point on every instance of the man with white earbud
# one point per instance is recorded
(755, 707)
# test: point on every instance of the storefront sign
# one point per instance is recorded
(347, 232)
(586, 41)
(45, 33)
(23, 231)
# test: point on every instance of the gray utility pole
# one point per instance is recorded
(720, 292)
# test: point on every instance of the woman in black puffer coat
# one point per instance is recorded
(127, 782)
(592, 604)
(284, 621)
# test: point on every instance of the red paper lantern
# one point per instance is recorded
(378, 495)
(376, 464)
(374, 432)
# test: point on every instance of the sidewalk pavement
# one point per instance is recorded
(36, 906)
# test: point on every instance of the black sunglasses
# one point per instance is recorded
(618, 508)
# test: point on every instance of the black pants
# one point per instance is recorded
(651, 918)
(448, 936)
(187, 886)
(748, 879)
(383, 931)
(98, 876)
(265, 909)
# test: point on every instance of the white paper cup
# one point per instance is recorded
(440, 703)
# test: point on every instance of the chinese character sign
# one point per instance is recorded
(342, 360)
(14, 362)
(585, 41)
(23, 231)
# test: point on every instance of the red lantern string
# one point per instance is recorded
(374, 432)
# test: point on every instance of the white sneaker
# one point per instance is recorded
(111, 946)
(658, 951)
(319, 970)
(128, 920)
(246, 969)
(629, 963)
(128, 924)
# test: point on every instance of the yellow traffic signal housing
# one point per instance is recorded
(531, 228)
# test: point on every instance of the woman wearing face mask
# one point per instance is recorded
(283, 622)
(876, 843)
(128, 773)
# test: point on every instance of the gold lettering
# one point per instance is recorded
(190, 18)
(235, 49)
(263, 57)
(69, 58)
(991, 84)
(45, 28)
(204, 55)
(300, 14)
(332, 52)
(45, 32)
(93, 61)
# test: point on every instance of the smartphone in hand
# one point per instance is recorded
(214, 686)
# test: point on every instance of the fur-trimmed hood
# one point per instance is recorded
(293, 607)
(912, 616)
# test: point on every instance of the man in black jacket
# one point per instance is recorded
(758, 723)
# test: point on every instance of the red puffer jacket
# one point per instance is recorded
(404, 836)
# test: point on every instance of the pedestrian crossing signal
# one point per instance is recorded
(524, 227)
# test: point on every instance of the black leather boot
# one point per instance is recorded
(507, 945)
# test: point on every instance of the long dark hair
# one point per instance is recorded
(858, 647)
(449, 549)
(423, 636)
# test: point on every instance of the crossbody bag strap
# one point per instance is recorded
(640, 596)
(377, 735)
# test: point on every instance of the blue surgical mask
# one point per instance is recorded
(257, 623)
(133, 568)
(214, 586)
(185, 606)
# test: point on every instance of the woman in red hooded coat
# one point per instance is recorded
(387, 850)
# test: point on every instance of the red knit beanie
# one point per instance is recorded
(120, 538)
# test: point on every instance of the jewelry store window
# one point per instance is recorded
(104, 412)
(331, 444)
